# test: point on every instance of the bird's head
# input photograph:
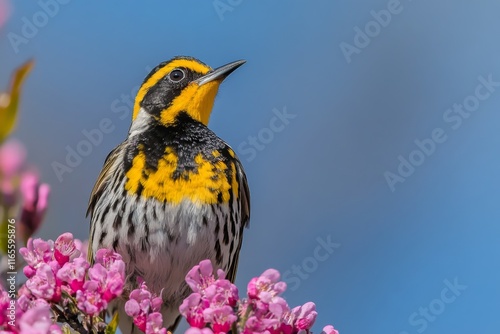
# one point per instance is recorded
(181, 84)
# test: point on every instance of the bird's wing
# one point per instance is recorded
(244, 196)
(103, 180)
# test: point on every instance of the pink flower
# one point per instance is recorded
(266, 286)
(154, 324)
(27, 301)
(268, 307)
(37, 252)
(221, 318)
(73, 273)
(110, 282)
(55, 329)
(5, 308)
(89, 300)
(4, 14)
(35, 203)
(329, 330)
(110, 260)
(259, 325)
(200, 277)
(212, 300)
(221, 292)
(12, 157)
(24, 302)
(192, 309)
(36, 321)
(278, 308)
(305, 316)
(65, 248)
(12, 153)
(196, 330)
(214, 306)
(82, 246)
(43, 283)
(141, 305)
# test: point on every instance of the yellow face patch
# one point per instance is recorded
(186, 63)
(207, 184)
(197, 101)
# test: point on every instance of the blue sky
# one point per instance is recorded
(360, 84)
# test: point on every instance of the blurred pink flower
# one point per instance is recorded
(35, 203)
(4, 306)
(12, 158)
(12, 152)
(4, 11)
(37, 321)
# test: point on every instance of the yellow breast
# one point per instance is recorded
(209, 182)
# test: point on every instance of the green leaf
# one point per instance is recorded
(113, 325)
(4, 225)
(9, 102)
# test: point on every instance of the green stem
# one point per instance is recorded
(244, 319)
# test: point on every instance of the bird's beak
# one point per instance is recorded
(220, 73)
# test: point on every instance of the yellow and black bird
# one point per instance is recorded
(173, 193)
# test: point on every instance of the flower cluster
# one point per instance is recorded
(62, 286)
(215, 307)
(36, 319)
(213, 301)
(144, 307)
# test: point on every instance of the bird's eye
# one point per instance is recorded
(176, 75)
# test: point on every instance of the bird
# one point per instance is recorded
(172, 193)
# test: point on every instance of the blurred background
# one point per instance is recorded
(369, 132)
